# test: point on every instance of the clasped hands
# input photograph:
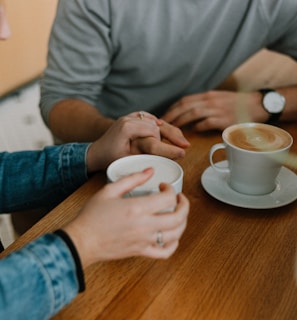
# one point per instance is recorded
(112, 227)
(135, 134)
(142, 132)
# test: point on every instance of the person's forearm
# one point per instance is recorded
(75, 120)
(30, 179)
(290, 111)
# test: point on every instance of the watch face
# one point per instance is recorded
(274, 102)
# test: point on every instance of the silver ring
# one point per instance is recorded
(159, 240)
(141, 115)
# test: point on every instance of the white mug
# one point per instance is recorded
(255, 154)
(165, 170)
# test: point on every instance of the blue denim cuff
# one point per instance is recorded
(72, 158)
(79, 271)
(55, 266)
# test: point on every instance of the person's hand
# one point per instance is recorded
(216, 110)
(112, 227)
(174, 149)
(135, 134)
(118, 140)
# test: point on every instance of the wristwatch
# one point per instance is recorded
(274, 103)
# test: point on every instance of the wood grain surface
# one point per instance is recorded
(232, 263)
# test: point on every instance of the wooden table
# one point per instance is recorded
(232, 263)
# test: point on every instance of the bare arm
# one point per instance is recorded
(290, 111)
(76, 120)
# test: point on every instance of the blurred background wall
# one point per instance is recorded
(23, 56)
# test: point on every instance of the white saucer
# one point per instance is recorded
(216, 184)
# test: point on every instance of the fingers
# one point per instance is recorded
(187, 111)
(157, 147)
(171, 226)
(171, 133)
(137, 127)
(181, 107)
(172, 220)
(212, 110)
(128, 183)
(170, 237)
(211, 123)
(151, 127)
(161, 253)
(174, 135)
(121, 135)
(143, 115)
(156, 202)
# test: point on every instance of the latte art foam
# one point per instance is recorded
(258, 137)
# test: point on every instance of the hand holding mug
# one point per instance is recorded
(111, 227)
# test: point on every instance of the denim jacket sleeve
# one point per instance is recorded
(38, 280)
(30, 179)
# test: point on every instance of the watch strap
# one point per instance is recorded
(265, 90)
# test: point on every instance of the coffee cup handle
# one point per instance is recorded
(213, 149)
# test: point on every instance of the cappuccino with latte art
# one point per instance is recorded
(258, 137)
(255, 154)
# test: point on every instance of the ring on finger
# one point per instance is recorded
(159, 240)
(141, 115)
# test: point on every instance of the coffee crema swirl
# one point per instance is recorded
(259, 137)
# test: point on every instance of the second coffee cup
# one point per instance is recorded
(255, 154)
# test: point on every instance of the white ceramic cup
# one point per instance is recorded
(165, 170)
(255, 154)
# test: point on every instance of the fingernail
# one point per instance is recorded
(146, 170)
(186, 141)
